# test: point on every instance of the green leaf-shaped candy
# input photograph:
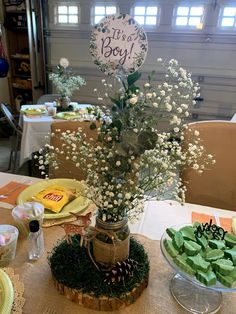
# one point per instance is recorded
(216, 244)
(170, 248)
(188, 233)
(207, 279)
(181, 262)
(191, 247)
(198, 263)
(231, 254)
(230, 239)
(213, 255)
(223, 266)
(178, 241)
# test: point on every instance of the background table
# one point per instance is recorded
(36, 131)
(233, 119)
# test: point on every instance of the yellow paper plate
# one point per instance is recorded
(77, 205)
(34, 111)
(6, 293)
(70, 115)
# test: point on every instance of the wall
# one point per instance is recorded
(208, 53)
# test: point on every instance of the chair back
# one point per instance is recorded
(47, 98)
(11, 120)
(216, 186)
(67, 168)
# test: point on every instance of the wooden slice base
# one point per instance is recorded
(77, 278)
(102, 303)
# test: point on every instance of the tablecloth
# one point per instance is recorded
(36, 132)
(42, 297)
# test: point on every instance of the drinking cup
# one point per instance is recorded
(26, 212)
(8, 242)
(48, 104)
(52, 111)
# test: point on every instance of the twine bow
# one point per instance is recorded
(92, 232)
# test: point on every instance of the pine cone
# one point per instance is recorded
(120, 271)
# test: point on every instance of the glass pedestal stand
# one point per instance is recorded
(193, 298)
(190, 293)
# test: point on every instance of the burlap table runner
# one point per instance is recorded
(42, 297)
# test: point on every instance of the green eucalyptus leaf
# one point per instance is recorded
(114, 108)
(147, 140)
(151, 77)
(117, 102)
(133, 88)
(120, 150)
(132, 78)
(117, 124)
(130, 138)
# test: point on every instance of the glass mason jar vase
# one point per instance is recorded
(112, 242)
(64, 102)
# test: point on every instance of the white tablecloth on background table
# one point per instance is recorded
(233, 119)
(157, 216)
(36, 131)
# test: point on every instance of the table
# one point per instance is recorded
(36, 131)
(42, 297)
(233, 119)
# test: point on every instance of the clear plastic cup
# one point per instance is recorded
(26, 212)
(8, 242)
(52, 111)
(48, 104)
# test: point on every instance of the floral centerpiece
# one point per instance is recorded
(65, 83)
(132, 159)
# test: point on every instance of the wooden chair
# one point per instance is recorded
(216, 187)
(16, 139)
(67, 168)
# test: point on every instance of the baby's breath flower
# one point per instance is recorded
(131, 158)
(64, 62)
(133, 100)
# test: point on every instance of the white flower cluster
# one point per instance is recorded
(64, 62)
(132, 158)
(64, 80)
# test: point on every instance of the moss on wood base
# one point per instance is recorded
(76, 277)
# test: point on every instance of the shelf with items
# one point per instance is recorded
(22, 76)
(21, 68)
(14, 5)
(20, 56)
(23, 30)
(16, 20)
(20, 83)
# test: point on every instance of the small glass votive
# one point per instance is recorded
(52, 111)
(26, 212)
(8, 242)
(48, 104)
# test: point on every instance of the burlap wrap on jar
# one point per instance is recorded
(107, 250)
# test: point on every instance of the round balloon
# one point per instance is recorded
(4, 67)
(118, 45)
